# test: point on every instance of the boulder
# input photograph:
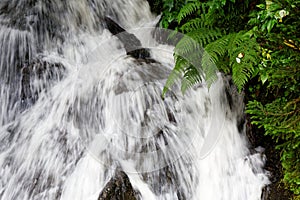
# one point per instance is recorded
(118, 188)
(132, 44)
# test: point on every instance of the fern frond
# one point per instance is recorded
(191, 77)
(176, 74)
(187, 70)
(194, 40)
(231, 46)
(212, 55)
(192, 67)
(205, 36)
(188, 9)
(209, 68)
(193, 25)
(249, 48)
(217, 49)
(194, 63)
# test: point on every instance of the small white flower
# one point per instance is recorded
(241, 55)
(282, 13)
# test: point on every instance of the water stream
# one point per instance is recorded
(75, 108)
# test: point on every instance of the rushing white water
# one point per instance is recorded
(75, 108)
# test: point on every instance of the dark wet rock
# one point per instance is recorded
(235, 100)
(156, 6)
(142, 53)
(276, 189)
(48, 21)
(167, 179)
(118, 188)
(38, 76)
(27, 16)
(115, 29)
(256, 136)
(148, 73)
(132, 44)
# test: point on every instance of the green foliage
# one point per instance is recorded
(181, 66)
(192, 65)
(240, 53)
(189, 9)
(277, 110)
(257, 41)
(170, 12)
(202, 34)
(280, 119)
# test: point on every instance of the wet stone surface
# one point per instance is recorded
(132, 44)
(118, 188)
(37, 76)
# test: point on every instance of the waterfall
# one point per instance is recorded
(76, 107)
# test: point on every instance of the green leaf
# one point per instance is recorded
(264, 77)
(270, 25)
(261, 6)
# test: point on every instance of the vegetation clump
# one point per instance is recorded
(258, 43)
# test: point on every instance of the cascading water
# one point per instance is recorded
(75, 109)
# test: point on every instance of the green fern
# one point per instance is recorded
(244, 45)
(190, 77)
(189, 67)
(231, 46)
(280, 119)
(193, 63)
(196, 39)
(192, 25)
(188, 10)
(204, 48)
(176, 73)
(205, 36)
(217, 49)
